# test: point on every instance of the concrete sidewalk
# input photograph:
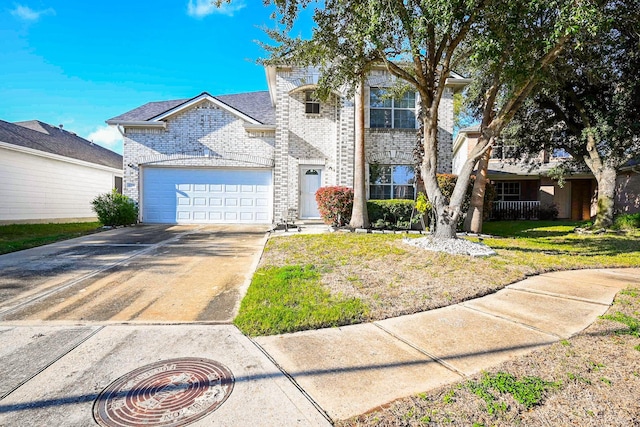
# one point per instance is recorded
(51, 373)
(350, 370)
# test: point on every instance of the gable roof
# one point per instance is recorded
(40, 136)
(254, 105)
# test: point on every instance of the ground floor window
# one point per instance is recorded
(391, 181)
(507, 191)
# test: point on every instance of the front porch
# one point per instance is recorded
(503, 210)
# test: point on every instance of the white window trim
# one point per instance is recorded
(393, 109)
(391, 184)
(310, 101)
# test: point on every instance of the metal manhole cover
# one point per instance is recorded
(169, 393)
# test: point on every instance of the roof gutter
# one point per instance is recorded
(456, 83)
(162, 125)
(46, 154)
(250, 127)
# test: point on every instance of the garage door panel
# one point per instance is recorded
(192, 195)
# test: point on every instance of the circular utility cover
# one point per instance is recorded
(169, 393)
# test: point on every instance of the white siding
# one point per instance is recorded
(37, 189)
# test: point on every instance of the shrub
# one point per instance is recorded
(115, 209)
(393, 213)
(335, 204)
(627, 221)
(548, 212)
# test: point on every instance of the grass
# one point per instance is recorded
(288, 299)
(389, 278)
(527, 391)
(16, 237)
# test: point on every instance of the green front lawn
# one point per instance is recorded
(16, 237)
(292, 298)
(377, 276)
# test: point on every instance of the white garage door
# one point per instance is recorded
(199, 196)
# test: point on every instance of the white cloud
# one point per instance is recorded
(202, 8)
(106, 136)
(27, 14)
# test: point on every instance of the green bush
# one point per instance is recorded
(627, 222)
(394, 213)
(335, 204)
(546, 213)
(115, 209)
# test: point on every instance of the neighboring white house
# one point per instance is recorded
(255, 157)
(52, 175)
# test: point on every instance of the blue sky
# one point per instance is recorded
(81, 63)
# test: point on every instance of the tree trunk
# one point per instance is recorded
(444, 224)
(605, 175)
(359, 215)
(606, 193)
(473, 221)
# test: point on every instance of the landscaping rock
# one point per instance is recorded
(451, 246)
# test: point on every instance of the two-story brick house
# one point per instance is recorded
(252, 157)
(524, 187)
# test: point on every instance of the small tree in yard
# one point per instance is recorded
(115, 209)
(335, 204)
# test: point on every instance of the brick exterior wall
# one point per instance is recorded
(204, 136)
(208, 136)
(628, 192)
(327, 139)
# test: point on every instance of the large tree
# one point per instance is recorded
(420, 42)
(590, 104)
(512, 52)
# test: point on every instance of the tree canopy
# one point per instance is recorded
(589, 104)
(421, 42)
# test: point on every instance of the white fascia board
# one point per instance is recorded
(198, 99)
(58, 157)
(457, 83)
(137, 124)
(460, 139)
(271, 72)
(259, 128)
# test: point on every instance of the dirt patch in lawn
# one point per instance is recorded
(390, 277)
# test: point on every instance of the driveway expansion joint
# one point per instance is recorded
(70, 348)
(291, 380)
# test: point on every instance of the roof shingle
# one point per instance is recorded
(256, 105)
(41, 136)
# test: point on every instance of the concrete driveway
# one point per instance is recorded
(78, 316)
(150, 273)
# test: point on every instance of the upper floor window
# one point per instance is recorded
(391, 182)
(503, 152)
(390, 112)
(311, 103)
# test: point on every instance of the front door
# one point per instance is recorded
(310, 181)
